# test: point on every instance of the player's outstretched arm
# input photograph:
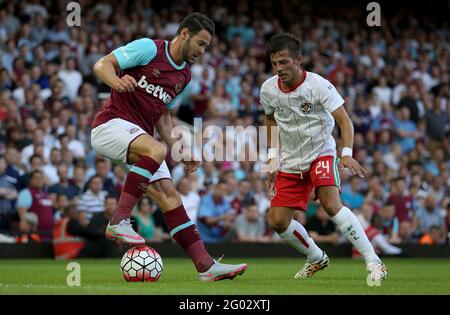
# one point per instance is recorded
(106, 69)
(346, 126)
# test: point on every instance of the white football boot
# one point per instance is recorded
(220, 271)
(124, 233)
(311, 267)
(377, 273)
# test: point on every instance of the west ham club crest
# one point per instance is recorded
(179, 85)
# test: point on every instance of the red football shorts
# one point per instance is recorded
(292, 190)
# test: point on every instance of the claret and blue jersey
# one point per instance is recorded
(160, 81)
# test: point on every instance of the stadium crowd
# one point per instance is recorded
(394, 79)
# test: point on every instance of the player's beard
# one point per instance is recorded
(186, 51)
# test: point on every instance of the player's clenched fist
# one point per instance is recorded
(125, 84)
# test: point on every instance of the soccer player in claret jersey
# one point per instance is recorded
(146, 76)
(304, 106)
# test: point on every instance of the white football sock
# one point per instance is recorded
(350, 226)
(296, 236)
(387, 248)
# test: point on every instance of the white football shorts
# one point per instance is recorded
(112, 139)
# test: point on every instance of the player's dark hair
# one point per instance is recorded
(195, 22)
(283, 41)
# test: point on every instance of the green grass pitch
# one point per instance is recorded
(263, 276)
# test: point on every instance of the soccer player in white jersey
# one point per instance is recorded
(304, 106)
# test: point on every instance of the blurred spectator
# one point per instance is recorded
(220, 109)
(387, 223)
(244, 196)
(8, 196)
(36, 163)
(433, 236)
(436, 120)
(208, 174)
(61, 204)
(321, 229)
(68, 141)
(406, 130)
(34, 199)
(71, 78)
(362, 116)
(78, 179)
(12, 168)
(375, 195)
(352, 197)
(215, 215)
(401, 200)
(96, 245)
(190, 199)
(410, 102)
(432, 165)
(431, 216)
(250, 226)
(92, 201)
(66, 245)
(64, 186)
(375, 227)
(383, 93)
(51, 168)
(29, 150)
(145, 222)
(260, 195)
(103, 170)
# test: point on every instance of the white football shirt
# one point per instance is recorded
(304, 119)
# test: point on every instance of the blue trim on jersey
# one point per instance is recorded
(136, 53)
(170, 59)
(181, 227)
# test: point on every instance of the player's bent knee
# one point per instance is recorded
(278, 223)
(156, 151)
(331, 207)
(146, 145)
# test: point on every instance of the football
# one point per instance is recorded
(141, 264)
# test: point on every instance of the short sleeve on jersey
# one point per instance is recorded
(265, 103)
(136, 53)
(328, 96)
